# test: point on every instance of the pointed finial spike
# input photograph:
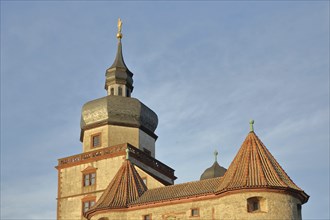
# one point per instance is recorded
(215, 155)
(251, 125)
(119, 34)
(127, 153)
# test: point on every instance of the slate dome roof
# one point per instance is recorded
(214, 171)
(118, 110)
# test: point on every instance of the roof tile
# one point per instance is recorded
(125, 187)
(178, 191)
(255, 167)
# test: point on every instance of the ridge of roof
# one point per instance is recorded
(178, 191)
(255, 167)
(125, 187)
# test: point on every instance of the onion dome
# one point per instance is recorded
(254, 167)
(125, 187)
(214, 171)
(118, 110)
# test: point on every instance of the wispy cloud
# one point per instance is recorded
(205, 70)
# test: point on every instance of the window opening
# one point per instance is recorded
(89, 179)
(194, 212)
(87, 205)
(256, 204)
(112, 91)
(147, 217)
(120, 91)
(96, 140)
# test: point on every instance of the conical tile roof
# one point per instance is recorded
(125, 187)
(255, 167)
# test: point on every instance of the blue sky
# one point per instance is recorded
(206, 69)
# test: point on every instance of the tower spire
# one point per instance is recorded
(119, 79)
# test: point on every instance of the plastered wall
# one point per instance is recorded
(113, 135)
(279, 206)
(72, 190)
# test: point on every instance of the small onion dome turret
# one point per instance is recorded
(214, 171)
(118, 110)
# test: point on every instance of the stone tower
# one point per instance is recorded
(110, 126)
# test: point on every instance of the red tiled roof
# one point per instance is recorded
(178, 191)
(125, 187)
(255, 167)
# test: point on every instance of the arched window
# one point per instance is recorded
(120, 91)
(256, 204)
(112, 91)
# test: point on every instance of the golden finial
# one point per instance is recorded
(119, 34)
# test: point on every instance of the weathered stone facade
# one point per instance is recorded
(234, 206)
(71, 191)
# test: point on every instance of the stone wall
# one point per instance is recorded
(71, 187)
(233, 206)
(112, 135)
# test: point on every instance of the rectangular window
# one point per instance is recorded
(96, 140)
(147, 217)
(87, 205)
(89, 179)
(194, 212)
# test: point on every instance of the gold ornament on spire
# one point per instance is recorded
(119, 34)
